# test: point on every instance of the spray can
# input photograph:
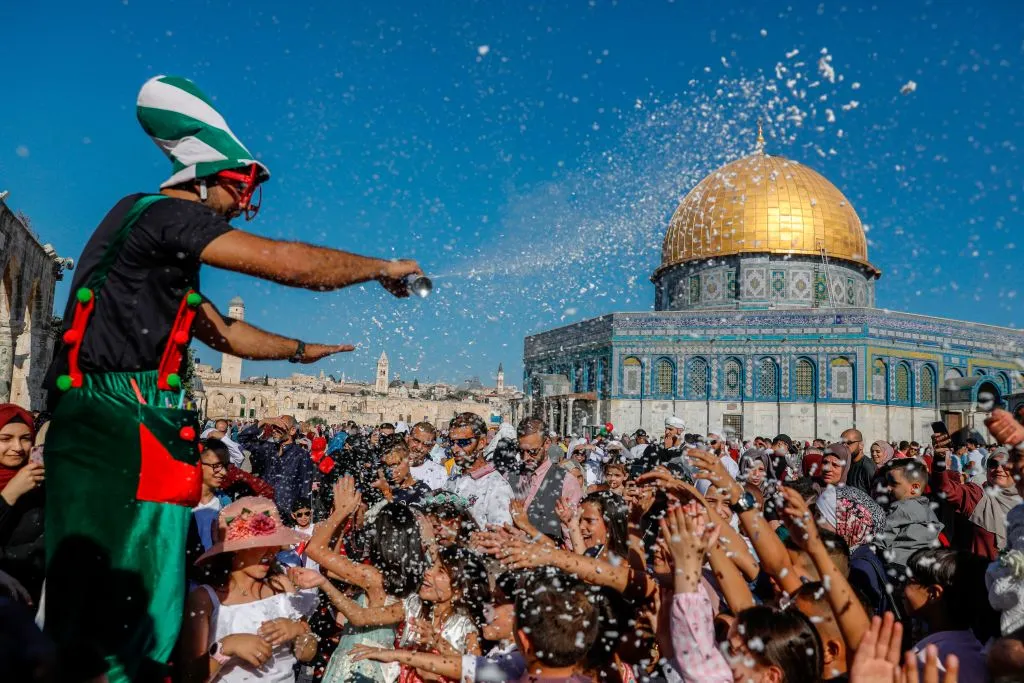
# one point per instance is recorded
(418, 285)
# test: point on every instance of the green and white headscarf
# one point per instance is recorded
(183, 123)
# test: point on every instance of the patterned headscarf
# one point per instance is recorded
(856, 517)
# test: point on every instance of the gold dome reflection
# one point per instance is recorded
(764, 204)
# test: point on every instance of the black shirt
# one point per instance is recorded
(156, 266)
(860, 474)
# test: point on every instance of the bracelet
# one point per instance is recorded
(300, 352)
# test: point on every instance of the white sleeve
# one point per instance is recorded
(730, 466)
(497, 507)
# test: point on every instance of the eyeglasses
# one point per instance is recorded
(463, 443)
(216, 466)
(851, 442)
(302, 513)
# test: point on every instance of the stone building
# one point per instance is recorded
(223, 393)
(765, 322)
(29, 271)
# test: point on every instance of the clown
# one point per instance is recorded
(122, 452)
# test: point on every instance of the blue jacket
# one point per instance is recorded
(291, 473)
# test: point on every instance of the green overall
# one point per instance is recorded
(122, 474)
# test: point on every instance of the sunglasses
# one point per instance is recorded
(996, 464)
(463, 443)
(532, 452)
(302, 513)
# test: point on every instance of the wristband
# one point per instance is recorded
(299, 354)
(217, 653)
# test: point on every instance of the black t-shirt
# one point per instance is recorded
(156, 266)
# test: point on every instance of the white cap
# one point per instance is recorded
(675, 422)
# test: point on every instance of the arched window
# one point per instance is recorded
(804, 379)
(663, 371)
(979, 372)
(927, 395)
(732, 373)
(698, 378)
(1004, 383)
(632, 371)
(903, 383)
(767, 378)
(842, 378)
(879, 379)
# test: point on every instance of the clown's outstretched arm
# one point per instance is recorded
(304, 265)
(243, 340)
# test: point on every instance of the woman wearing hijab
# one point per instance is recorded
(881, 453)
(22, 552)
(985, 506)
(756, 473)
(857, 519)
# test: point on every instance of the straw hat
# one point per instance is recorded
(250, 522)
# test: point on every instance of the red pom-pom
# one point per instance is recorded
(187, 434)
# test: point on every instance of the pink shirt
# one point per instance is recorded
(572, 492)
(696, 657)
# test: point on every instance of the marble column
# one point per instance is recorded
(568, 415)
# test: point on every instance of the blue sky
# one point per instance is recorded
(531, 154)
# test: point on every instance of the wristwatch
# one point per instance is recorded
(745, 503)
(299, 354)
(217, 653)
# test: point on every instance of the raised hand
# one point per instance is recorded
(686, 535)
(346, 498)
(877, 659)
(567, 514)
(517, 509)
(1004, 428)
(315, 352)
(909, 673)
(798, 519)
(517, 554)
(28, 478)
(393, 273)
(711, 468)
(306, 578)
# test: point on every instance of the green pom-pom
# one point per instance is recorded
(194, 299)
(84, 295)
(173, 380)
(64, 382)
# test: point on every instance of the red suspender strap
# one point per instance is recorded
(168, 378)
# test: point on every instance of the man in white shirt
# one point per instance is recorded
(478, 481)
(718, 447)
(420, 441)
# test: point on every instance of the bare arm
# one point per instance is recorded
(302, 265)
(449, 666)
(849, 613)
(243, 340)
(730, 580)
(364, 576)
(364, 616)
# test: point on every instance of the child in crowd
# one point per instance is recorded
(911, 524)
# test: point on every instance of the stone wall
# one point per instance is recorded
(28, 275)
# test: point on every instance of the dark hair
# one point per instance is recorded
(469, 579)
(805, 486)
(614, 512)
(789, 641)
(904, 445)
(471, 420)
(301, 503)
(554, 612)
(218, 448)
(506, 456)
(532, 425)
(838, 549)
(425, 426)
(913, 471)
(386, 425)
(396, 549)
(961, 574)
(447, 510)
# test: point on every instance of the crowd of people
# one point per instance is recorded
(467, 552)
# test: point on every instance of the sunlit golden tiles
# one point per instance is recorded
(763, 203)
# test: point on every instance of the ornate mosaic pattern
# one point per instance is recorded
(778, 284)
(804, 379)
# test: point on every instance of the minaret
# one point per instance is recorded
(382, 373)
(231, 366)
(501, 379)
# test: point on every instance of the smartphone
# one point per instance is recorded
(940, 428)
(36, 455)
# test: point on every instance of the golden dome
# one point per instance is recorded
(764, 204)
